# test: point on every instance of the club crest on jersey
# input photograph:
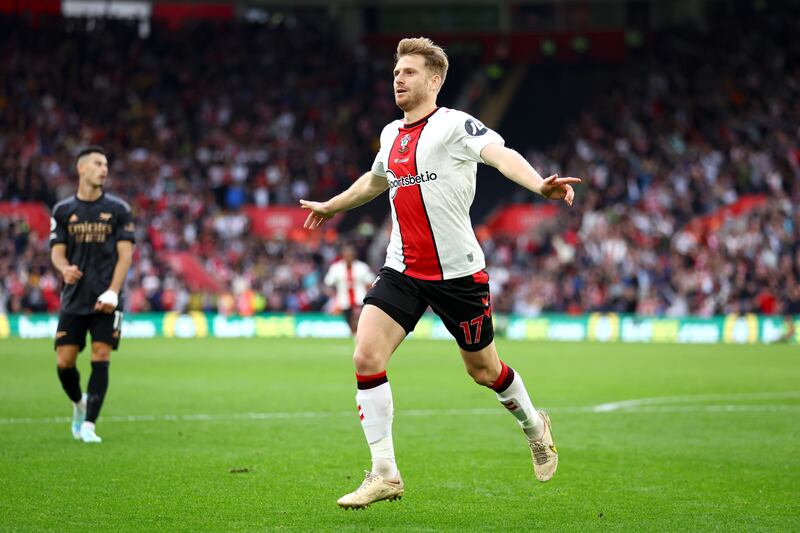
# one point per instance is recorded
(105, 216)
(404, 143)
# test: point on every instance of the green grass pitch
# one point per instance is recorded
(235, 435)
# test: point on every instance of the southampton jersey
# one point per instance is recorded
(351, 282)
(91, 231)
(431, 166)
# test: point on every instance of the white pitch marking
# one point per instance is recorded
(641, 405)
(733, 408)
(699, 398)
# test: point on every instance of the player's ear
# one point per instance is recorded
(436, 83)
(79, 163)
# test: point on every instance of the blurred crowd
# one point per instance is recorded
(197, 122)
(202, 120)
(708, 119)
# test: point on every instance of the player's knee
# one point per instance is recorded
(65, 362)
(482, 375)
(367, 361)
(66, 358)
(101, 353)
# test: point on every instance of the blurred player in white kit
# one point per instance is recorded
(351, 279)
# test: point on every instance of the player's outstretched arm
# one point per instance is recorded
(364, 189)
(513, 166)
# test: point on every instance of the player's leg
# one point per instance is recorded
(464, 306)
(96, 390)
(66, 361)
(382, 326)
(486, 368)
(105, 330)
(355, 316)
(70, 340)
(377, 337)
(352, 321)
(70, 379)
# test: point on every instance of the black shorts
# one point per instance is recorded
(463, 304)
(103, 327)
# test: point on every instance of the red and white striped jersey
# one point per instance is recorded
(431, 166)
(350, 281)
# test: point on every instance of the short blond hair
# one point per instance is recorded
(435, 58)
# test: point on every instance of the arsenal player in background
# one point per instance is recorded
(91, 241)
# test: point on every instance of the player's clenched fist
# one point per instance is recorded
(107, 302)
(72, 274)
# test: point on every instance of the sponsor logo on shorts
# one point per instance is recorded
(60, 334)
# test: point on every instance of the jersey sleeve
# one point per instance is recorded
(469, 136)
(378, 166)
(125, 226)
(58, 231)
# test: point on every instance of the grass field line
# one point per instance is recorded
(696, 398)
(665, 404)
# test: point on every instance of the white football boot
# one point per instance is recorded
(374, 488)
(88, 434)
(543, 452)
(78, 416)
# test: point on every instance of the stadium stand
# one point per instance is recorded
(207, 126)
(665, 156)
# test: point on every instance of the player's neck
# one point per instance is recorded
(87, 193)
(419, 112)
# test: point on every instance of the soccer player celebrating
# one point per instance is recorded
(91, 240)
(428, 162)
(350, 277)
